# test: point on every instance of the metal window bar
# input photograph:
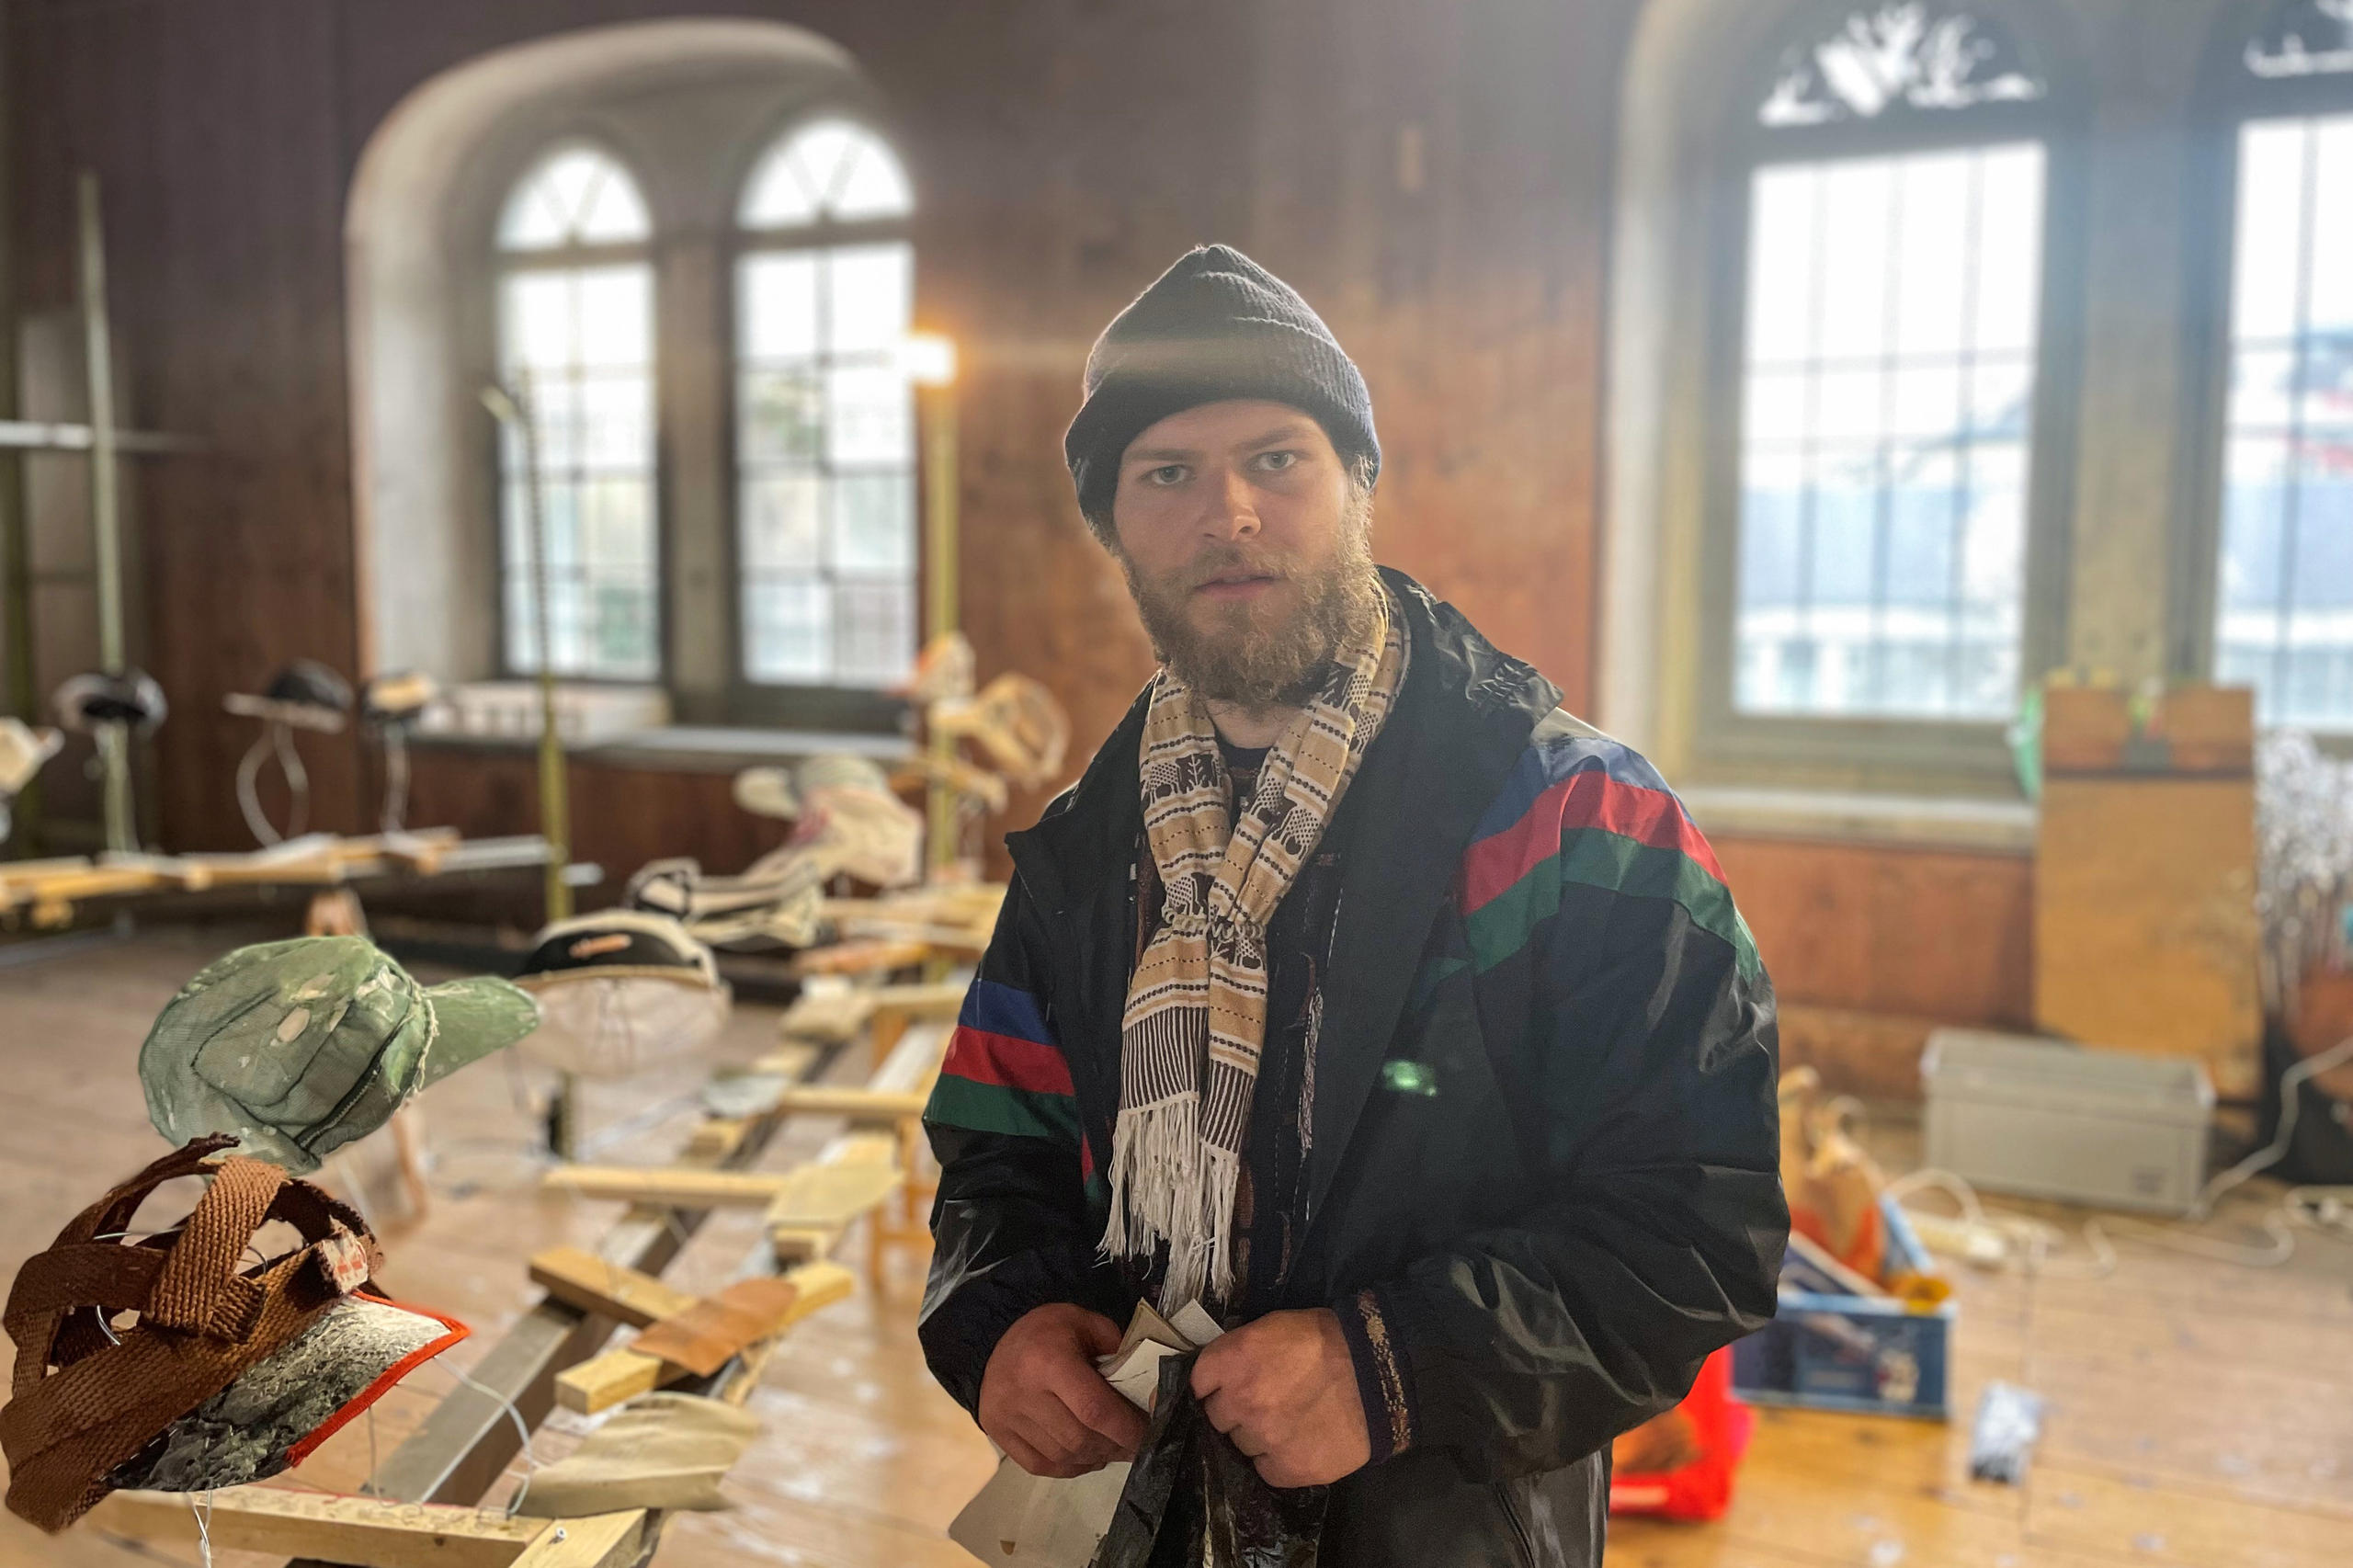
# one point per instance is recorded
(2299, 373)
(579, 576)
(825, 571)
(1965, 439)
(1964, 465)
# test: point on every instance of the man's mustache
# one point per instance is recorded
(1225, 560)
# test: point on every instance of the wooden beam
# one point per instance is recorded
(830, 1197)
(914, 1063)
(670, 1187)
(793, 1058)
(708, 1334)
(600, 1540)
(580, 1279)
(361, 1532)
(921, 1002)
(859, 958)
(854, 1173)
(796, 1245)
(621, 1374)
(860, 1104)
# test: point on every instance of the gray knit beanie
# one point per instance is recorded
(1216, 327)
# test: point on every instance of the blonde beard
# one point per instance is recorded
(1234, 659)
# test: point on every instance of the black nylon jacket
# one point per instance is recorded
(1544, 1166)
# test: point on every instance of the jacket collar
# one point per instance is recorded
(1457, 729)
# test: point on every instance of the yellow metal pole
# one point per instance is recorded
(936, 409)
(105, 507)
(514, 409)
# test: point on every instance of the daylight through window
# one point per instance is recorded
(1889, 388)
(575, 344)
(825, 417)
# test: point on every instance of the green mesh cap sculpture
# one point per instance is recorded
(300, 1047)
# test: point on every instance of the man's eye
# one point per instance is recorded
(1168, 474)
(1275, 463)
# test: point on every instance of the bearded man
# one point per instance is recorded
(1357, 992)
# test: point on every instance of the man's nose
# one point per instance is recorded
(1234, 509)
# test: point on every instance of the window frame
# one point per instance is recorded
(1879, 751)
(2230, 98)
(504, 264)
(810, 706)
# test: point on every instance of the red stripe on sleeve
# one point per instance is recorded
(1003, 1060)
(1588, 798)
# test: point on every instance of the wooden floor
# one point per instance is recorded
(2201, 1414)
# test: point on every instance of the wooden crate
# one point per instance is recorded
(2144, 926)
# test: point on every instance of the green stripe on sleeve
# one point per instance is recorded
(992, 1107)
(1612, 863)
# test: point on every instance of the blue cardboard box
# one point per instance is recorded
(1832, 1351)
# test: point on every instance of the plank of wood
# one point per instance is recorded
(861, 1148)
(859, 958)
(860, 1104)
(706, 1335)
(830, 1197)
(914, 1063)
(795, 1245)
(714, 1135)
(580, 1279)
(600, 1540)
(913, 1002)
(621, 1374)
(613, 1377)
(670, 1187)
(793, 1058)
(363, 1532)
(965, 941)
(62, 887)
(2145, 933)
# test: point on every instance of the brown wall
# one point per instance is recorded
(1064, 151)
(1872, 947)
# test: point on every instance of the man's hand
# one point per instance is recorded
(1043, 1401)
(1285, 1389)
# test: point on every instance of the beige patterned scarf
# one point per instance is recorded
(1197, 1008)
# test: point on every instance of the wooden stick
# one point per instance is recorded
(619, 1375)
(363, 1532)
(670, 1187)
(600, 1540)
(859, 1104)
(708, 1334)
(581, 1278)
(859, 958)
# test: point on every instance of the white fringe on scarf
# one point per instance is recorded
(1168, 1184)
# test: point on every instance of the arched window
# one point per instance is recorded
(575, 341)
(2283, 613)
(1885, 341)
(824, 424)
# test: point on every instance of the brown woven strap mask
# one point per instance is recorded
(201, 1319)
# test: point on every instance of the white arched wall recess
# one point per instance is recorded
(687, 104)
